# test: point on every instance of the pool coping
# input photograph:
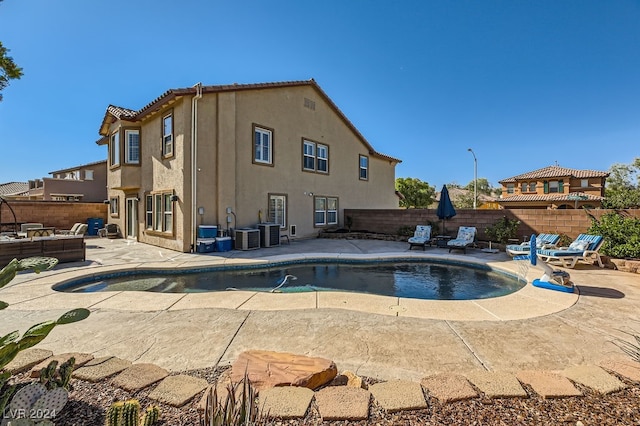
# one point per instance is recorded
(528, 302)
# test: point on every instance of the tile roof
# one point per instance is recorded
(581, 196)
(14, 188)
(69, 169)
(555, 172)
(171, 94)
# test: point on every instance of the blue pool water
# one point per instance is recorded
(420, 280)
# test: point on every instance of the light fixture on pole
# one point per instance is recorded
(475, 179)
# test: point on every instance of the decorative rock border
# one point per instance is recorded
(342, 402)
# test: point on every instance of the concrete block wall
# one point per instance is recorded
(61, 215)
(569, 222)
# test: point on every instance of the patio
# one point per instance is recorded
(372, 336)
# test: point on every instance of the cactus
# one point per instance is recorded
(34, 404)
(150, 416)
(114, 414)
(11, 344)
(131, 413)
(127, 413)
(52, 378)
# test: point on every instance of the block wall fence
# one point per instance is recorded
(60, 215)
(570, 222)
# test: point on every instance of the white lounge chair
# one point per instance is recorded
(583, 249)
(466, 236)
(421, 237)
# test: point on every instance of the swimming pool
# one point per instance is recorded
(399, 278)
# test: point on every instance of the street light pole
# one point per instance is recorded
(475, 179)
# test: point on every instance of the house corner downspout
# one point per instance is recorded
(194, 165)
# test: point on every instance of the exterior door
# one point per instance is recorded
(132, 218)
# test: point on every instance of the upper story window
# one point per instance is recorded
(524, 187)
(532, 187)
(553, 186)
(315, 157)
(364, 167)
(88, 175)
(167, 135)
(114, 150)
(262, 145)
(132, 146)
(584, 183)
(511, 188)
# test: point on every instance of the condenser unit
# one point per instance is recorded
(247, 239)
(269, 234)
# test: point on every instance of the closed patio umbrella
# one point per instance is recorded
(445, 207)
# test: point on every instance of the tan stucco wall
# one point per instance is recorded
(226, 175)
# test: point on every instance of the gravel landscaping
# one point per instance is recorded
(88, 403)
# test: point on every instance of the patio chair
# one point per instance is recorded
(583, 249)
(78, 228)
(542, 241)
(421, 237)
(466, 237)
(111, 230)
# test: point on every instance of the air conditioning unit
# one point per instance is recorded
(247, 239)
(269, 234)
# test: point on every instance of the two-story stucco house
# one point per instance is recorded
(86, 183)
(554, 187)
(237, 155)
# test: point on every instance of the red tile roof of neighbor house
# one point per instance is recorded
(573, 196)
(171, 94)
(555, 172)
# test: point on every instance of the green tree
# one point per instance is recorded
(416, 193)
(484, 187)
(623, 186)
(8, 69)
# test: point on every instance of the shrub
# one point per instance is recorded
(621, 234)
(502, 230)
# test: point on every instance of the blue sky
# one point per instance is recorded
(522, 83)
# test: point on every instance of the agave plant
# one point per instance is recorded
(239, 408)
(631, 349)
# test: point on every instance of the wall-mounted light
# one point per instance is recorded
(310, 194)
(174, 198)
(106, 202)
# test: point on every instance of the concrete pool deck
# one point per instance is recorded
(377, 336)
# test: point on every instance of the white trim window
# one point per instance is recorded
(167, 213)
(88, 175)
(262, 149)
(315, 157)
(308, 155)
(325, 211)
(113, 206)
(167, 135)
(114, 149)
(149, 211)
(132, 146)
(364, 167)
(278, 209)
(162, 212)
(584, 183)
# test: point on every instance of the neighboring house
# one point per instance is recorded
(554, 187)
(236, 155)
(86, 183)
(12, 190)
